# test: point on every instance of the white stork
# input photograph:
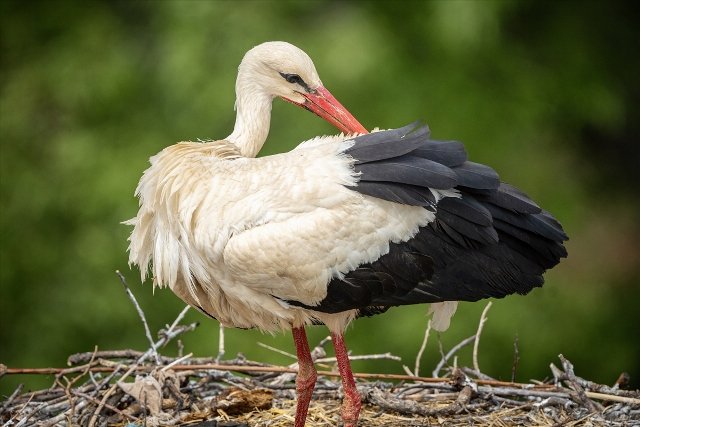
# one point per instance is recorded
(340, 227)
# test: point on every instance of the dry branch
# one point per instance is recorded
(142, 316)
(447, 356)
(418, 360)
(483, 319)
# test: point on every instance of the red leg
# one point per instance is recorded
(306, 376)
(351, 407)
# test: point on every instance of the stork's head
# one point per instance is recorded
(281, 69)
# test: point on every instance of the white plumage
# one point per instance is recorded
(234, 236)
(339, 227)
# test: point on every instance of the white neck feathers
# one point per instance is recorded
(253, 116)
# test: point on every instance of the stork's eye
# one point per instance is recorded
(296, 80)
(293, 78)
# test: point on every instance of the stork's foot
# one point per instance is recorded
(305, 387)
(351, 408)
(306, 376)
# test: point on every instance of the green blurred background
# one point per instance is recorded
(546, 92)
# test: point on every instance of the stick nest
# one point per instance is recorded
(133, 388)
(124, 388)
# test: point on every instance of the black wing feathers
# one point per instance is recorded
(469, 209)
(399, 193)
(537, 223)
(403, 165)
(387, 144)
(449, 153)
(491, 241)
(512, 198)
(411, 170)
(477, 176)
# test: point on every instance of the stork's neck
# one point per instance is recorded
(253, 119)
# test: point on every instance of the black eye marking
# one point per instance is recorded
(292, 78)
(296, 79)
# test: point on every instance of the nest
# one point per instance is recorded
(130, 388)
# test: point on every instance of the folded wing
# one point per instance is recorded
(488, 239)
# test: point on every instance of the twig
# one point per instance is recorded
(515, 391)
(318, 351)
(444, 359)
(421, 349)
(580, 394)
(147, 331)
(407, 370)
(477, 335)
(387, 356)
(9, 422)
(515, 357)
(441, 351)
(31, 414)
(220, 348)
(476, 374)
(179, 317)
(180, 348)
(106, 405)
(177, 361)
(411, 389)
(601, 388)
(277, 350)
(87, 369)
(165, 337)
(9, 400)
(555, 401)
(60, 417)
(93, 380)
(612, 397)
(412, 408)
(105, 354)
(169, 334)
(258, 368)
(557, 374)
(69, 383)
(109, 392)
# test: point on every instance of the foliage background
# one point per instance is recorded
(545, 92)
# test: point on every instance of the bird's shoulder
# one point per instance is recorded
(220, 149)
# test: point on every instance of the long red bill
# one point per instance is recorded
(323, 104)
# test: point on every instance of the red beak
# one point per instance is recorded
(322, 103)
